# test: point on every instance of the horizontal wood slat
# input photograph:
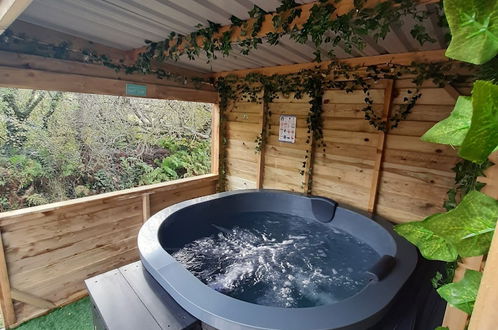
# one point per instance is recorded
(51, 249)
(413, 176)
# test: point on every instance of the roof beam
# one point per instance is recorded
(402, 59)
(48, 36)
(342, 8)
(10, 10)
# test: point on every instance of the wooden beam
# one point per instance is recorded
(342, 8)
(379, 158)
(34, 62)
(454, 318)
(32, 300)
(484, 314)
(308, 167)
(6, 304)
(430, 56)
(52, 37)
(215, 139)
(145, 207)
(10, 10)
(35, 79)
(125, 194)
(452, 91)
(260, 167)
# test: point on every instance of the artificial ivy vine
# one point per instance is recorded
(325, 26)
(313, 82)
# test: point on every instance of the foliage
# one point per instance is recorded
(453, 129)
(264, 89)
(348, 29)
(473, 124)
(323, 22)
(464, 231)
(442, 279)
(467, 174)
(482, 137)
(75, 145)
(463, 294)
(474, 29)
(468, 227)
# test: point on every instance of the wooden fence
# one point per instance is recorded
(395, 174)
(48, 251)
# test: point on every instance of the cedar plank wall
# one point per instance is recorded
(414, 175)
(50, 250)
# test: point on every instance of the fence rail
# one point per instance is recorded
(48, 251)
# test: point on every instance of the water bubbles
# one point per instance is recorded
(280, 260)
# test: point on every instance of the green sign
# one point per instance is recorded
(136, 90)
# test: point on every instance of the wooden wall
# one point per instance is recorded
(50, 250)
(395, 174)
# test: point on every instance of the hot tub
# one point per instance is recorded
(267, 259)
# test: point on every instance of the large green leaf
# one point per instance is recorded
(453, 129)
(431, 245)
(474, 29)
(462, 295)
(466, 230)
(482, 137)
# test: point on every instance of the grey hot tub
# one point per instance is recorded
(181, 224)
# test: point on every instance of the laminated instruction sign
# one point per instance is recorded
(287, 131)
(136, 90)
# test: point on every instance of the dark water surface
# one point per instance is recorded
(275, 259)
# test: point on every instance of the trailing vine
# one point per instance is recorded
(313, 82)
(467, 174)
(325, 26)
(66, 51)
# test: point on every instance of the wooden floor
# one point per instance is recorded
(128, 298)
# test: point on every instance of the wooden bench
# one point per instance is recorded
(128, 298)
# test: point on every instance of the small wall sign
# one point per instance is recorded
(136, 90)
(287, 131)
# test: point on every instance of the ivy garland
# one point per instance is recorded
(264, 89)
(324, 27)
(65, 51)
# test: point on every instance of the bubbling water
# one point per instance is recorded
(275, 259)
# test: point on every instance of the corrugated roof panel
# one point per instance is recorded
(125, 24)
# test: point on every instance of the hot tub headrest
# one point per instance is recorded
(323, 208)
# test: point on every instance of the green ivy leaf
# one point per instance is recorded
(466, 230)
(482, 137)
(462, 295)
(453, 129)
(474, 29)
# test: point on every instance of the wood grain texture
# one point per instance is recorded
(411, 176)
(69, 82)
(50, 250)
(484, 314)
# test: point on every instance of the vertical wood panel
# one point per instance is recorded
(388, 96)
(215, 139)
(6, 304)
(145, 207)
(484, 315)
(260, 166)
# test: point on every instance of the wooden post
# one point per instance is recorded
(308, 167)
(454, 318)
(260, 175)
(215, 139)
(9, 316)
(484, 315)
(376, 173)
(145, 207)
